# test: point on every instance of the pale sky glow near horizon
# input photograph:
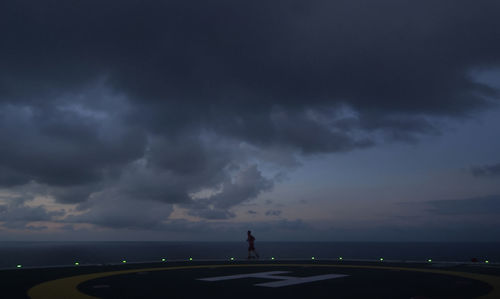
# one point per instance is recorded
(301, 121)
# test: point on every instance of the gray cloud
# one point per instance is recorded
(108, 209)
(273, 213)
(247, 184)
(486, 205)
(486, 171)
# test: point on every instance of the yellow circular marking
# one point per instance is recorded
(64, 288)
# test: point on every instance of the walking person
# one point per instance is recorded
(251, 246)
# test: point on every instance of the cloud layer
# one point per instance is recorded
(186, 102)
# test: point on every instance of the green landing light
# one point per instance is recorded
(486, 262)
(232, 258)
(163, 260)
(340, 258)
(124, 261)
(272, 258)
(190, 258)
(313, 258)
(19, 266)
(381, 259)
(429, 260)
(77, 264)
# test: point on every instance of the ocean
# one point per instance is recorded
(40, 254)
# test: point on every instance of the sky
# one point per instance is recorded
(345, 120)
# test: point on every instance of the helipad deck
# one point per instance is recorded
(256, 279)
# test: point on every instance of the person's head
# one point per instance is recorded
(249, 232)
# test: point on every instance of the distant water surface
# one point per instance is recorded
(31, 254)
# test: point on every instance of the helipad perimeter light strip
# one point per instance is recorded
(338, 259)
(67, 287)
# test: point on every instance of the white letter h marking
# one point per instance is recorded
(282, 280)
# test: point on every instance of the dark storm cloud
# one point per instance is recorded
(19, 216)
(62, 146)
(273, 213)
(163, 99)
(487, 205)
(486, 171)
(243, 59)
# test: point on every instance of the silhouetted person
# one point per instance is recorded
(251, 246)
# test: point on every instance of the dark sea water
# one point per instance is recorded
(36, 254)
